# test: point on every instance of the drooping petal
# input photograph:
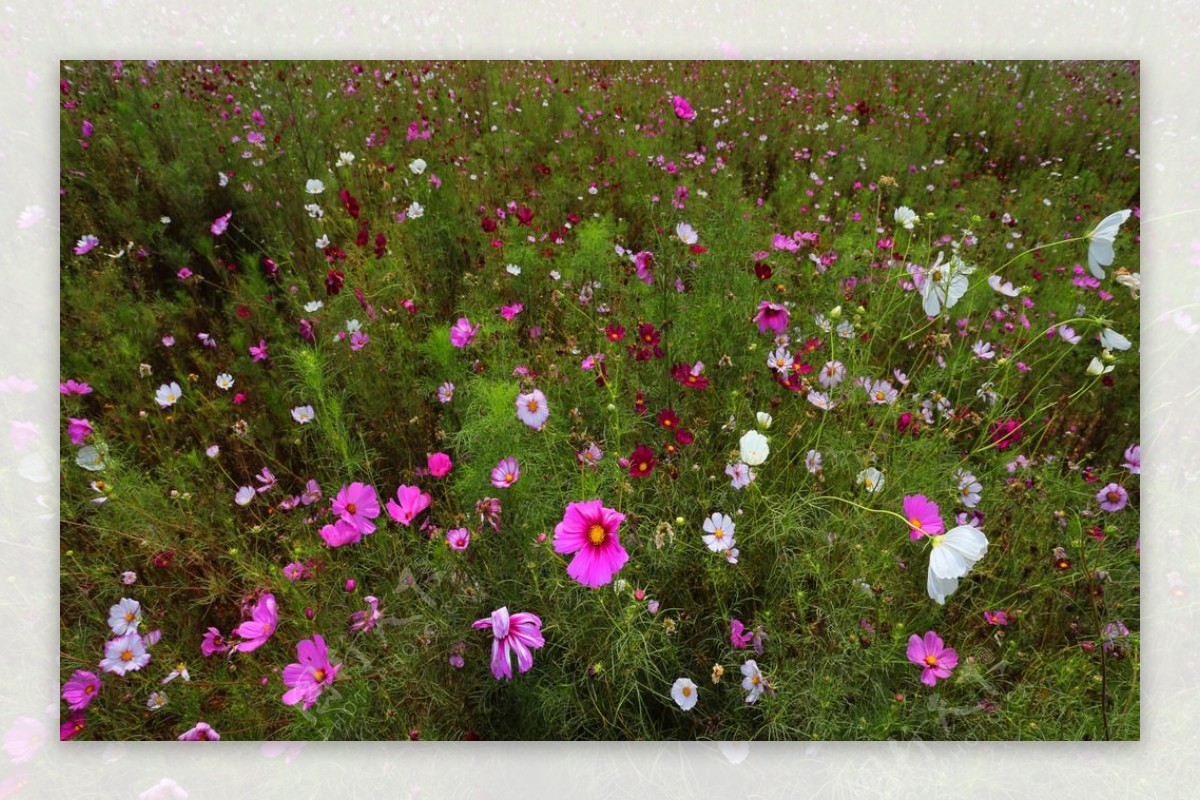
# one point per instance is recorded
(939, 588)
(968, 542)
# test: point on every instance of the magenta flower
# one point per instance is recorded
(74, 724)
(411, 503)
(221, 223)
(462, 333)
(1133, 458)
(512, 634)
(213, 642)
(339, 533)
(357, 505)
(309, 677)
(85, 244)
(81, 689)
(589, 531)
(739, 638)
(439, 464)
(509, 312)
(201, 731)
(532, 409)
(260, 627)
(683, 109)
(506, 473)
(78, 430)
(1112, 497)
(933, 655)
(772, 316)
(458, 539)
(923, 516)
(73, 387)
(365, 620)
(996, 618)
(258, 353)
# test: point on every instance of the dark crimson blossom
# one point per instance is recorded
(647, 335)
(641, 462)
(639, 404)
(272, 268)
(334, 281)
(907, 424)
(364, 236)
(668, 419)
(524, 216)
(1006, 432)
(488, 225)
(380, 245)
(690, 375)
(350, 202)
(614, 332)
(684, 437)
(763, 270)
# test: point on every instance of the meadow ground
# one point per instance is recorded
(600, 400)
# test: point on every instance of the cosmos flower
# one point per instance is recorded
(201, 731)
(683, 109)
(512, 634)
(589, 530)
(952, 557)
(968, 488)
(686, 233)
(263, 620)
(125, 617)
(933, 656)
(506, 473)
(753, 681)
(923, 517)
(409, 503)
(78, 430)
(458, 539)
(871, 479)
(943, 285)
(220, 224)
(720, 530)
(532, 409)
(86, 243)
(1112, 497)
(168, 394)
(311, 676)
(753, 448)
(81, 689)
(740, 475)
(124, 654)
(213, 642)
(357, 504)
(439, 464)
(772, 316)
(906, 217)
(685, 693)
(1133, 459)
(1100, 241)
(445, 392)
(313, 186)
(303, 414)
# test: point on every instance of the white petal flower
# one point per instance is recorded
(685, 693)
(1100, 241)
(314, 187)
(907, 217)
(1003, 287)
(754, 448)
(1097, 367)
(764, 419)
(417, 166)
(1111, 340)
(871, 479)
(952, 556)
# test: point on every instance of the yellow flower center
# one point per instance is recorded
(318, 675)
(930, 660)
(757, 680)
(127, 656)
(643, 467)
(597, 534)
(687, 691)
(1113, 497)
(129, 617)
(89, 690)
(533, 405)
(508, 477)
(719, 533)
(351, 508)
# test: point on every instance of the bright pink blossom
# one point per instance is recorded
(81, 689)
(933, 655)
(78, 430)
(772, 316)
(512, 634)
(462, 333)
(309, 677)
(506, 473)
(923, 516)
(256, 631)
(439, 464)
(201, 731)
(411, 503)
(357, 504)
(589, 530)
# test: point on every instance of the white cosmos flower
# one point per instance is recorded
(720, 530)
(224, 381)
(1097, 367)
(1003, 287)
(686, 233)
(685, 693)
(417, 166)
(944, 284)
(754, 448)
(415, 211)
(1131, 281)
(314, 187)
(313, 306)
(303, 414)
(952, 556)
(244, 495)
(167, 394)
(345, 159)
(1100, 241)
(1111, 340)
(871, 479)
(906, 217)
(764, 419)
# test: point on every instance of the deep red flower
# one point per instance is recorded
(334, 281)
(763, 270)
(690, 375)
(614, 332)
(349, 201)
(641, 462)
(668, 419)
(684, 437)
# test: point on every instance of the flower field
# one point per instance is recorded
(638, 400)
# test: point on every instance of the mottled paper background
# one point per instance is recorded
(1164, 35)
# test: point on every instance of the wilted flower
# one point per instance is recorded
(512, 634)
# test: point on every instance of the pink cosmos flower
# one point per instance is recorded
(357, 504)
(365, 620)
(1133, 459)
(201, 731)
(70, 728)
(125, 653)
(85, 244)
(258, 353)
(506, 473)
(589, 530)
(1112, 497)
(213, 643)
(78, 430)
(931, 654)
(772, 316)
(683, 109)
(439, 464)
(221, 223)
(738, 636)
(73, 387)
(309, 677)
(923, 516)
(411, 503)
(997, 618)
(458, 539)
(339, 533)
(512, 634)
(462, 333)
(260, 627)
(532, 409)
(81, 689)
(509, 312)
